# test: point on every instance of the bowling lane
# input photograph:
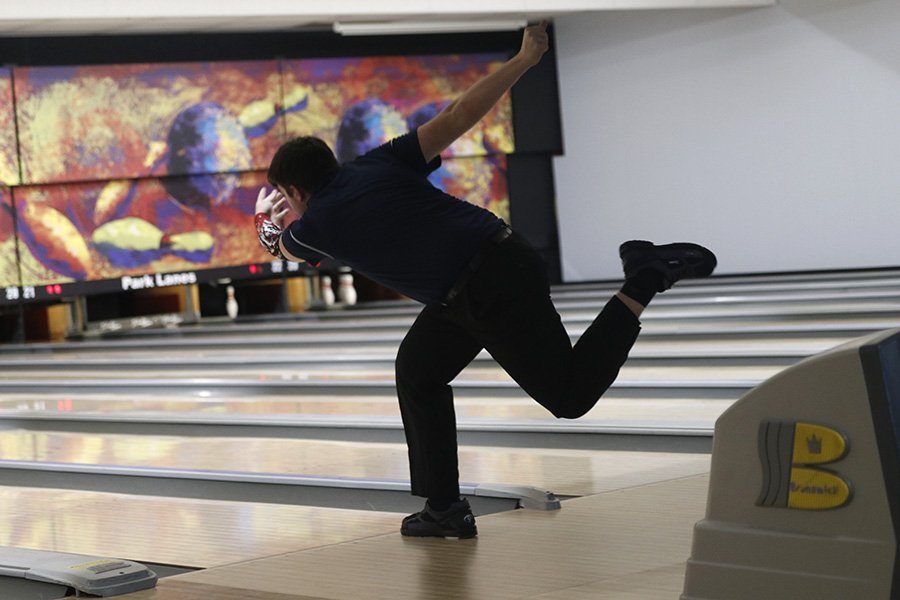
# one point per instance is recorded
(753, 311)
(138, 357)
(789, 326)
(472, 375)
(184, 532)
(575, 316)
(152, 403)
(565, 472)
(608, 411)
(353, 411)
(738, 347)
(140, 353)
(577, 313)
(842, 319)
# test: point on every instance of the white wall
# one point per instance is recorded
(772, 135)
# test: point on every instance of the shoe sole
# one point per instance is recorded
(634, 250)
(456, 536)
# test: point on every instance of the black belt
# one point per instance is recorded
(476, 262)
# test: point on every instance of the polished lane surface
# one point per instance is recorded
(621, 546)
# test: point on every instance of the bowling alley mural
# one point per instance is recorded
(114, 172)
(357, 104)
(9, 175)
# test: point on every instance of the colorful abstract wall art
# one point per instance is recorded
(481, 180)
(87, 231)
(356, 104)
(9, 266)
(154, 168)
(9, 157)
(128, 121)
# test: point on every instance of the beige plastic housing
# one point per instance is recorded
(745, 550)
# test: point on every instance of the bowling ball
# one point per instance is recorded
(206, 139)
(367, 125)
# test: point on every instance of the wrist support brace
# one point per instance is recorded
(269, 234)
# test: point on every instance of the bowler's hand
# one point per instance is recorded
(272, 204)
(535, 42)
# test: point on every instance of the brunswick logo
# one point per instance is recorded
(789, 452)
(812, 488)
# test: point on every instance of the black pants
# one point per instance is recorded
(506, 309)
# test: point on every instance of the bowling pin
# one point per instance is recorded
(346, 291)
(327, 291)
(231, 305)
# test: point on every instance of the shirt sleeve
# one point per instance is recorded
(291, 241)
(407, 150)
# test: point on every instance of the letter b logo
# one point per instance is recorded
(788, 451)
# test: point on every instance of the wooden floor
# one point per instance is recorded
(626, 545)
(629, 539)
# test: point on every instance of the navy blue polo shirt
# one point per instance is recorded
(381, 216)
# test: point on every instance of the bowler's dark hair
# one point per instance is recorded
(304, 162)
